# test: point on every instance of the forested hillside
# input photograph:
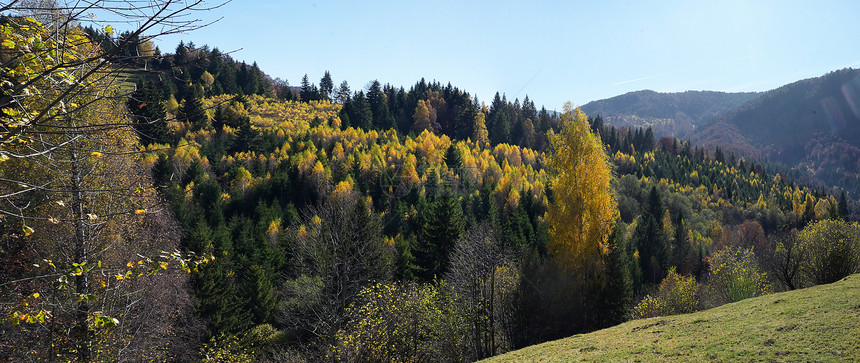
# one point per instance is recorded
(668, 114)
(213, 213)
(811, 125)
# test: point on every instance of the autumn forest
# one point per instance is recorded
(179, 205)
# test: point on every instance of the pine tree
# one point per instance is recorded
(326, 86)
(442, 223)
(360, 115)
(192, 110)
(150, 119)
(382, 118)
(844, 213)
(618, 292)
(307, 90)
(650, 240)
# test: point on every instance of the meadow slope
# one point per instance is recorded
(820, 323)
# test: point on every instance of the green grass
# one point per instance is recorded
(821, 323)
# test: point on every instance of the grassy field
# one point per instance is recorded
(821, 323)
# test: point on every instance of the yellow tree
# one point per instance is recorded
(70, 188)
(481, 135)
(421, 117)
(583, 210)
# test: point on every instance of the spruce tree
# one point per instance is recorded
(650, 240)
(442, 223)
(326, 86)
(149, 117)
(192, 110)
(844, 213)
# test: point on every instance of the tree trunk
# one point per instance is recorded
(82, 281)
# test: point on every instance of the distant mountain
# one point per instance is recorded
(812, 125)
(668, 114)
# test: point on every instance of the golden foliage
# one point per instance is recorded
(582, 214)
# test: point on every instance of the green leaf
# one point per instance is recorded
(8, 43)
(27, 230)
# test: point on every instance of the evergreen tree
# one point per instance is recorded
(453, 159)
(442, 223)
(308, 93)
(618, 292)
(262, 302)
(682, 250)
(192, 110)
(650, 240)
(149, 117)
(382, 118)
(326, 86)
(843, 207)
(360, 115)
(342, 94)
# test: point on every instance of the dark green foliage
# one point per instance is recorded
(215, 286)
(326, 86)
(843, 207)
(148, 116)
(262, 302)
(453, 159)
(360, 115)
(618, 291)
(681, 249)
(382, 118)
(192, 111)
(650, 240)
(441, 223)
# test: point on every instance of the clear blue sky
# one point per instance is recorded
(553, 51)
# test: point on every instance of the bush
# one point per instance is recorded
(677, 295)
(832, 248)
(735, 275)
(398, 323)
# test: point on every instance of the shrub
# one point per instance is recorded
(397, 323)
(832, 248)
(677, 295)
(735, 275)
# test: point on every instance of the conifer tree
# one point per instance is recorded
(650, 240)
(326, 86)
(360, 115)
(843, 207)
(192, 110)
(149, 117)
(441, 224)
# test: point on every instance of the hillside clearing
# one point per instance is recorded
(821, 323)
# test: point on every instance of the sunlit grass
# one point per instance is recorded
(821, 323)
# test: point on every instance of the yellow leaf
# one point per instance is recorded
(96, 154)
(36, 295)
(140, 211)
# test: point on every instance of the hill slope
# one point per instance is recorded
(669, 114)
(811, 125)
(814, 324)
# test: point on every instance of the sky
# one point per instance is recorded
(552, 51)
